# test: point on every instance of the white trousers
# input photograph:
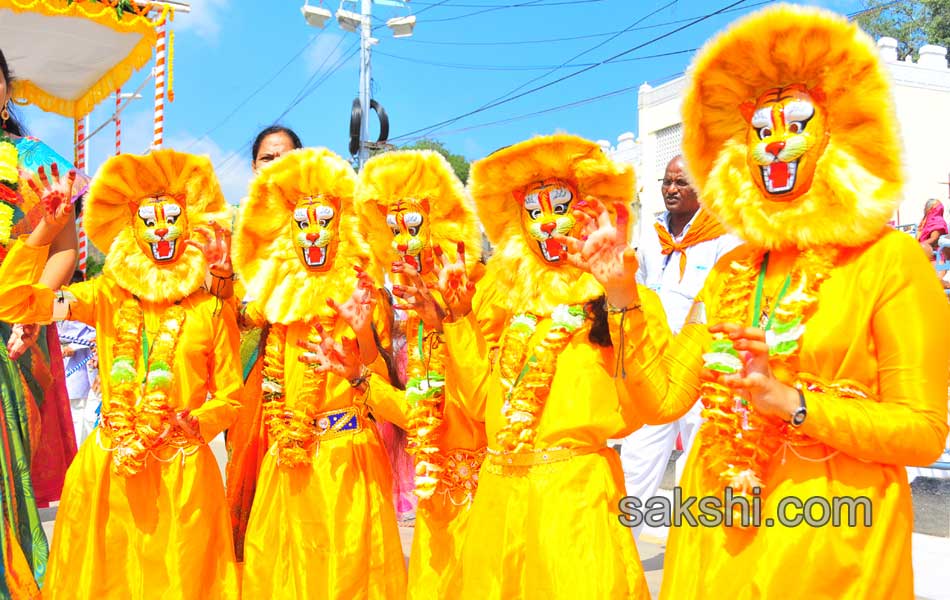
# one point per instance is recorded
(84, 415)
(645, 453)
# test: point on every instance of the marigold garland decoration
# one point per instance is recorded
(742, 440)
(528, 381)
(9, 180)
(138, 415)
(425, 392)
(291, 429)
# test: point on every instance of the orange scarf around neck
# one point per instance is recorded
(702, 229)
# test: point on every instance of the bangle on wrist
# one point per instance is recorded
(362, 379)
(225, 277)
(619, 310)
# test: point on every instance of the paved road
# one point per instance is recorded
(931, 540)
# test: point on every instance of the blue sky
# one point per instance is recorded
(226, 50)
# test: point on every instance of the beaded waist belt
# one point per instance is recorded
(541, 456)
(337, 423)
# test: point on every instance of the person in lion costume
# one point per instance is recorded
(416, 214)
(143, 512)
(322, 523)
(540, 353)
(819, 348)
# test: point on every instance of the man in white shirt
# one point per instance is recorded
(675, 255)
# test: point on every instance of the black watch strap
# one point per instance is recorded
(798, 417)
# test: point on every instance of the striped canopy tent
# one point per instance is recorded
(70, 55)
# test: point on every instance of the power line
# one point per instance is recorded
(575, 73)
(300, 97)
(532, 3)
(500, 6)
(533, 113)
(557, 108)
(319, 68)
(598, 97)
(573, 38)
(562, 65)
(592, 48)
(523, 67)
(248, 98)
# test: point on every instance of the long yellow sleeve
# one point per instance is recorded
(384, 399)
(657, 377)
(224, 365)
(468, 364)
(22, 298)
(907, 423)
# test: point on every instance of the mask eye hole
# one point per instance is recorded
(150, 222)
(534, 213)
(303, 224)
(765, 132)
(796, 127)
(560, 209)
(413, 230)
(395, 230)
(323, 222)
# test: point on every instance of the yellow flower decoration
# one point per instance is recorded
(6, 222)
(9, 157)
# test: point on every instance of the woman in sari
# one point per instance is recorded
(36, 427)
(933, 224)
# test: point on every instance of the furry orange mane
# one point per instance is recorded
(118, 187)
(858, 179)
(529, 284)
(263, 250)
(417, 175)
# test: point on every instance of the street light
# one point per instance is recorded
(316, 16)
(348, 20)
(361, 22)
(402, 26)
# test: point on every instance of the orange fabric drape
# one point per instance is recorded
(704, 227)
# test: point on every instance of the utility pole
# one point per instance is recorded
(366, 40)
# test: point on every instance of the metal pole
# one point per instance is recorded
(366, 32)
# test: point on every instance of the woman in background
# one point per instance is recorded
(933, 224)
(243, 441)
(36, 435)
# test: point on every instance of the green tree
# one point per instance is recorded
(459, 163)
(912, 23)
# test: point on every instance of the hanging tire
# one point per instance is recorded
(356, 116)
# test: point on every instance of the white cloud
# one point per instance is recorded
(325, 52)
(234, 175)
(204, 19)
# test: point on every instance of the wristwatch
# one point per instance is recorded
(799, 414)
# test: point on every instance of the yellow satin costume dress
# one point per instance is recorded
(881, 329)
(545, 524)
(165, 532)
(326, 529)
(442, 519)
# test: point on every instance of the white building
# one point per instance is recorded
(922, 96)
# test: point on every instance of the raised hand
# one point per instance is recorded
(415, 296)
(216, 247)
(768, 395)
(456, 288)
(56, 196)
(603, 250)
(341, 358)
(357, 311)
